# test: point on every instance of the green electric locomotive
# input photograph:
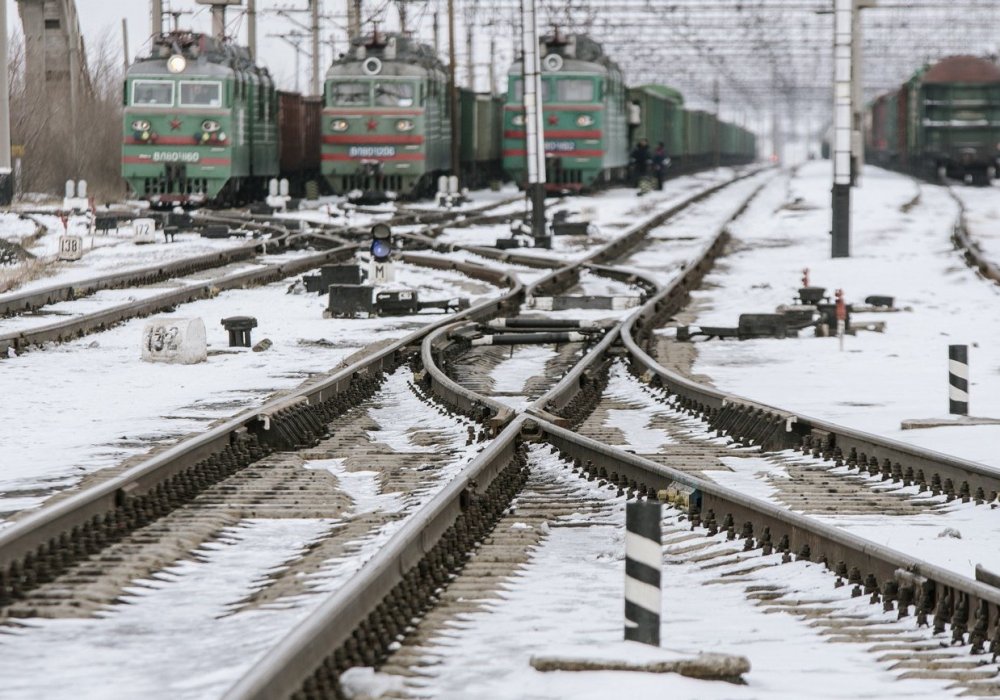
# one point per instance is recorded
(200, 123)
(386, 118)
(583, 100)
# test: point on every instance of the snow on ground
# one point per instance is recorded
(879, 379)
(511, 375)
(486, 654)
(184, 632)
(91, 403)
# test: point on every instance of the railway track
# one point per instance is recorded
(363, 623)
(85, 540)
(341, 241)
(975, 257)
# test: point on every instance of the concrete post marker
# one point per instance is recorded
(643, 559)
(958, 380)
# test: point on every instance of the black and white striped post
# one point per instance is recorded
(958, 380)
(643, 561)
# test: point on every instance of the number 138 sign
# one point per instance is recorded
(70, 247)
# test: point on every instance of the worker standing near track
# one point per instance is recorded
(661, 161)
(640, 160)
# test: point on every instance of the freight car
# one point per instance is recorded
(203, 123)
(592, 121)
(943, 122)
(694, 139)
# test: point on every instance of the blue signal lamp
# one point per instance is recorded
(381, 247)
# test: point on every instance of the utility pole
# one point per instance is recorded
(314, 28)
(252, 31)
(470, 68)
(6, 174)
(715, 139)
(493, 65)
(456, 134)
(843, 23)
(353, 19)
(437, 35)
(847, 121)
(125, 42)
(533, 128)
(156, 18)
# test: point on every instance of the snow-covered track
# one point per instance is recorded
(22, 302)
(360, 621)
(84, 324)
(966, 243)
(39, 545)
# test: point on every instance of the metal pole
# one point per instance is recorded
(156, 18)
(958, 380)
(470, 66)
(437, 35)
(643, 564)
(533, 127)
(856, 99)
(456, 134)
(314, 6)
(493, 63)
(6, 177)
(353, 19)
(219, 22)
(125, 42)
(252, 30)
(717, 144)
(843, 21)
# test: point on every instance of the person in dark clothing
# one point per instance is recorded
(640, 159)
(660, 162)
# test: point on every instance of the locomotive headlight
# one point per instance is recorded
(222, 137)
(404, 125)
(585, 120)
(140, 125)
(210, 125)
(518, 120)
(339, 125)
(144, 136)
(176, 63)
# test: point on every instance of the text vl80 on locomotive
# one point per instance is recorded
(200, 122)
(386, 118)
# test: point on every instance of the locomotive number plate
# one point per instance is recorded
(560, 146)
(371, 151)
(176, 156)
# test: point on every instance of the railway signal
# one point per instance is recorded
(381, 251)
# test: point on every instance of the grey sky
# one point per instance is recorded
(100, 16)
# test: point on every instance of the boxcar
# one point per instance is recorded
(481, 117)
(944, 121)
(299, 138)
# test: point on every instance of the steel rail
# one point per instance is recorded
(20, 302)
(41, 530)
(970, 249)
(352, 617)
(84, 324)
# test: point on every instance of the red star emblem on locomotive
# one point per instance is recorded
(372, 125)
(553, 119)
(175, 124)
